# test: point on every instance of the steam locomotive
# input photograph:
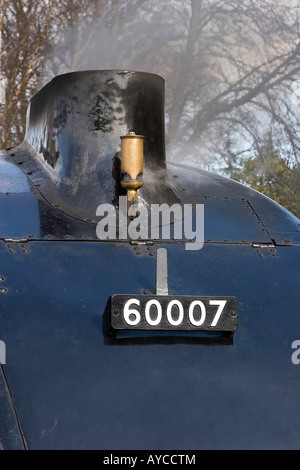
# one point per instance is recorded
(143, 304)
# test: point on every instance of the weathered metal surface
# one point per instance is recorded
(72, 144)
(10, 434)
(238, 217)
(72, 385)
(74, 388)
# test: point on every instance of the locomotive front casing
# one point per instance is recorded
(69, 381)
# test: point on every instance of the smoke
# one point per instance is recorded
(210, 54)
(148, 39)
(135, 39)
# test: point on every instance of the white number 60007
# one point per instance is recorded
(133, 317)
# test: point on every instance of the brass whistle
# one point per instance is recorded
(132, 149)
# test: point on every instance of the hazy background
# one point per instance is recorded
(232, 74)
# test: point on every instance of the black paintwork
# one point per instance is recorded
(75, 387)
(72, 144)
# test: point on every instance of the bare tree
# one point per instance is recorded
(29, 31)
(24, 39)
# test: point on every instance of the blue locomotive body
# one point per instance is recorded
(68, 380)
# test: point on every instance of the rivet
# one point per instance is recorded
(151, 253)
(2, 278)
(3, 290)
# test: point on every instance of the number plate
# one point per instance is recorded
(168, 312)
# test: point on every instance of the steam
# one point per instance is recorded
(197, 64)
(138, 42)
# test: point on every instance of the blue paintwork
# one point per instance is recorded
(75, 387)
(11, 436)
(74, 391)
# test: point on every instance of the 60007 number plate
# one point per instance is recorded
(168, 312)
